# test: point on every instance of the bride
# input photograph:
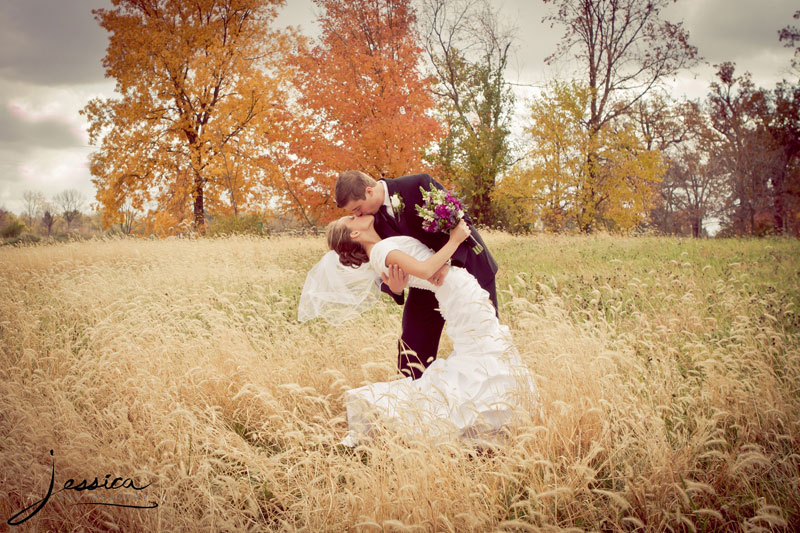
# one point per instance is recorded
(472, 392)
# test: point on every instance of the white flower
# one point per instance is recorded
(397, 204)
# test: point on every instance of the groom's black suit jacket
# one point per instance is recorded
(482, 266)
(422, 322)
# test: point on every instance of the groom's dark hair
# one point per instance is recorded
(352, 185)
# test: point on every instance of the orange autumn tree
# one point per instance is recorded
(200, 96)
(363, 102)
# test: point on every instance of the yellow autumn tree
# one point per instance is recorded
(201, 94)
(573, 178)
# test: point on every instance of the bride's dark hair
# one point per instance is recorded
(350, 252)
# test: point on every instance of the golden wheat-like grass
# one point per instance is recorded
(670, 392)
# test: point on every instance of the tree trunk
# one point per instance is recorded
(778, 192)
(483, 202)
(199, 215)
(586, 224)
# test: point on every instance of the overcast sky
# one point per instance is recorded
(51, 53)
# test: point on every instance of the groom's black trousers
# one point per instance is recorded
(422, 329)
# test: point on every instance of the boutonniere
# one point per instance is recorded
(397, 205)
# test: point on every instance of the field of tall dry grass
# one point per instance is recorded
(669, 373)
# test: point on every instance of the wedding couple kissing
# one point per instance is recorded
(387, 245)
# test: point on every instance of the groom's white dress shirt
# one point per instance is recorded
(386, 200)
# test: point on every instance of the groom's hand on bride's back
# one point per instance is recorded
(396, 280)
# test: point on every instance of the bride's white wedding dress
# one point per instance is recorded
(473, 392)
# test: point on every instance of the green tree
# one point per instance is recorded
(469, 52)
(11, 226)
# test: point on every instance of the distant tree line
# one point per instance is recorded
(64, 217)
(58, 217)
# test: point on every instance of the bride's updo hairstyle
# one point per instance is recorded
(350, 252)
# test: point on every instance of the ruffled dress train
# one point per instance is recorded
(472, 393)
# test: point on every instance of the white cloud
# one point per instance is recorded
(49, 171)
(52, 169)
(35, 104)
(5, 196)
(45, 141)
(51, 42)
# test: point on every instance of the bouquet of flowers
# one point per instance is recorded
(441, 211)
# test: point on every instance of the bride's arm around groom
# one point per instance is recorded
(393, 202)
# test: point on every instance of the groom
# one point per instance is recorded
(393, 203)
